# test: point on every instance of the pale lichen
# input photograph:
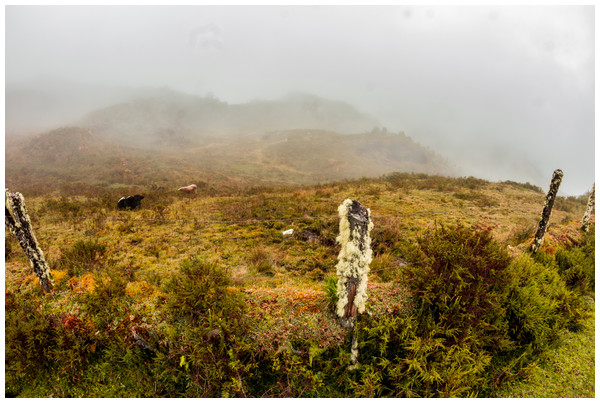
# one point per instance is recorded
(354, 354)
(353, 260)
(589, 210)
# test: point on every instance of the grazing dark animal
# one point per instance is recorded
(130, 202)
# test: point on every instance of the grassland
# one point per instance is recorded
(280, 278)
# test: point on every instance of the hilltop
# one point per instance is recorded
(169, 118)
(159, 117)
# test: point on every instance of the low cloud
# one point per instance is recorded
(504, 92)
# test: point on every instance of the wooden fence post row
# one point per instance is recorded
(588, 212)
(353, 266)
(548, 204)
(18, 222)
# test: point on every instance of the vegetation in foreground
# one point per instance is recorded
(171, 301)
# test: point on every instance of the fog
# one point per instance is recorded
(504, 92)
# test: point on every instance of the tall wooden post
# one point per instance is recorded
(588, 211)
(18, 222)
(548, 204)
(353, 265)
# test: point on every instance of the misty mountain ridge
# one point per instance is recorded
(163, 136)
(150, 116)
(180, 120)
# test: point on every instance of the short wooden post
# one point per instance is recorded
(353, 266)
(548, 204)
(18, 222)
(589, 210)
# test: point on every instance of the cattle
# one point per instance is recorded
(129, 202)
(188, 189)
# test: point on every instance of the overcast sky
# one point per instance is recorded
(504, 92)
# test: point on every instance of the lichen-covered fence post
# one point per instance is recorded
(353, 266)
(548, 204)
(18, 222)
(588, 211)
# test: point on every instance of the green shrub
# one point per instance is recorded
(462, 286)
(29, 338)
(206, 350)
(83, 256)
(478, 318)
(331, 292)
(459, 294)
(107, 304)
(199, 288)
(576, 265)
(444, 345)
(534, 303)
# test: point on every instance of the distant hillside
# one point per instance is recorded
(66, 155)
(173, 119)
(71, 155)
(67, 145)
(310, 156)
(166, 138)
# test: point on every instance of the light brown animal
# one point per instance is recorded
(188, 189)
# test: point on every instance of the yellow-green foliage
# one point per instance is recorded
(81, 257)
(169, 301)
(479, 317)
(539, 305)
(205, 350)
(577, 264)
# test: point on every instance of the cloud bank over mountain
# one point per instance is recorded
(505, 92)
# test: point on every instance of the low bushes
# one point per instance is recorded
(204, 352)
(475, 318)
(479, 318)
(81, 257)
(577, 266)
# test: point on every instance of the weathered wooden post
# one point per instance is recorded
(548, 204)
(18, 222)
(353, 266)
(588, 211)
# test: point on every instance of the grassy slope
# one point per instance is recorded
(73, 158)
(567, 371)
(282, 277)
